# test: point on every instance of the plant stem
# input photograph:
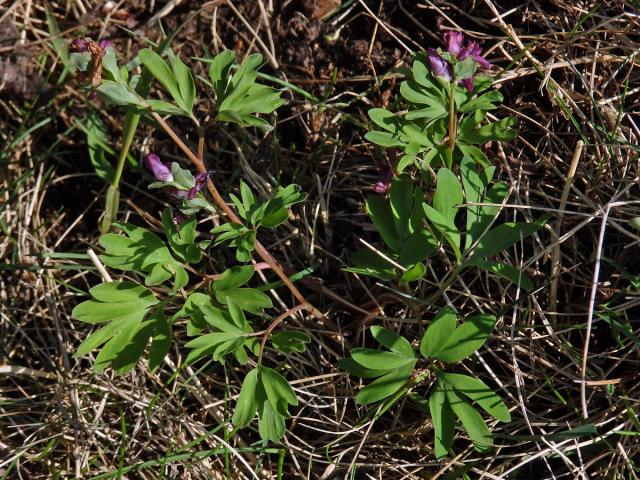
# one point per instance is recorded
(260, 249)
(274, 324)
(129, 130)
(453, 124)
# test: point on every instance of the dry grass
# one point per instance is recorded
(565, 358)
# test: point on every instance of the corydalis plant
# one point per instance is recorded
(169, 281)
(438, 126)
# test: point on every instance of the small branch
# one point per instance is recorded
(217, 198)
(275, 323)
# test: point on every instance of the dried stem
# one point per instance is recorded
(260, 249)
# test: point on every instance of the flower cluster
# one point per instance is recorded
(442, 63)
(162, 173)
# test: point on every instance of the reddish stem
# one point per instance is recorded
(217, 198)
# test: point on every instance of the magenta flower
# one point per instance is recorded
(438, 64)
(201, 181)
(384, 182)
(104, 44)
(79, 45)
(453, 41)
(459, 50)
(473, 50)
(161, 171)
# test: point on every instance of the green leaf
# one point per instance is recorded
(438, 333)
(160, 106)
(160, 340)
(271, 424)
(479, 392)
(504, 236)
(185, 82)
(124, 305)
(488, 101)
(466, 339)
(413, 274)
(465, 69)
(471, 420)
(119, 94)
(249, 299)
(278, 390)
(448, 195)
(237, 315)
(110, 64)
(247, 404)
(384, 119)
(394, 342)
(401, 202)
(234, 277)
(123, 292)
(219, 72)
(450, 233)
(98, 143)
(417, 248)
(443, 421)
(382, 217)
(386, 385)
(352, 367)
(379, 359)
(289, 341)
(384, 139)
(161, 72)
(500, 130)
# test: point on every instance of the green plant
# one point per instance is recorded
(439, 130)
(168, 280)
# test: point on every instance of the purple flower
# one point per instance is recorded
(384, 182)
(201, 181)
(104, 44)
(467, 83)
(453, 41)
(473, 50)
(79, 45)
(161, 172)
(438, 65)
(459, 50)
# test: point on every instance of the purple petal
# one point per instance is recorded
(384, 182)
(201, 181)
(453, 42)
(473, 50)
(439, 66)
(161, 172)
(104, 44)
(467, 83)
(79, 45)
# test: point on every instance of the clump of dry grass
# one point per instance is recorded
(564, 357)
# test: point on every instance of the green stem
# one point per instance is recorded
(453, 124)
(128, 131)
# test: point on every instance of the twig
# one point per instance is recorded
(592, 301)
(555, 253)
(98, 264)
